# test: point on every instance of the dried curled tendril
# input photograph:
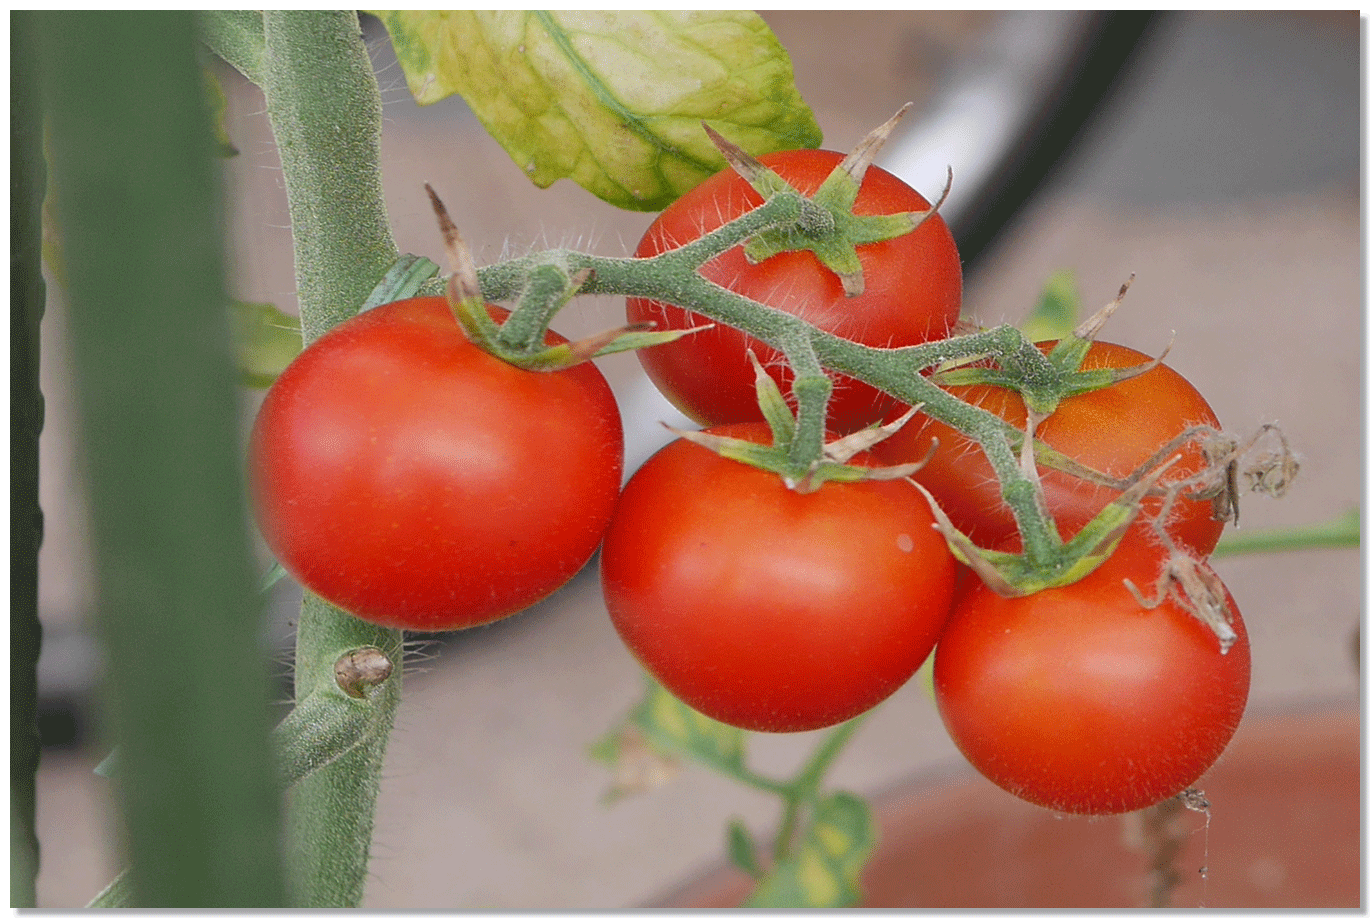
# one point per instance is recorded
(1264, 466)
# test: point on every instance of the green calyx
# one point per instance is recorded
(521, 339)
(790, 454)
(1012, 574)
(1043, 380)
(827, 227)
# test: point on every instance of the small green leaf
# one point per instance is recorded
(777, 412)
(824, 871)
(273, 575)
(1057, 311)
(265, 340)
(742, 849)
(673, 727)
(402, 281)
(613, 100)
(217, 102)
(108, 764)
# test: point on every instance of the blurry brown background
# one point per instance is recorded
(1225, 173)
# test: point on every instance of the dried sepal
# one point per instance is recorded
(844, 448)
(757, 174)
(1194, 586)
(985, 563)
(636, 766)
(463, 286)
(863, 154)
(1090, 327)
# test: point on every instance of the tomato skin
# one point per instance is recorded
(1081, 700)
(912, 295)
(1113, 430)
(769, 609)
(418, 482)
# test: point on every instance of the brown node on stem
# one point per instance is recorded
(359, 670)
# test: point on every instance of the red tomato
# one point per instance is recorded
(912, 295)
(1113, 430)
(409, 477)
(1082, 700)
(766, 608)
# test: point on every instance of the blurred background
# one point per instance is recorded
(1215, 155)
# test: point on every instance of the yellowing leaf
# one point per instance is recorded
(825, 870)
(610, 99)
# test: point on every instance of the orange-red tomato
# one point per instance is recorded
(418, 482)
(766, 608)
(1082, 700)
(1113, 430)
(912, 295)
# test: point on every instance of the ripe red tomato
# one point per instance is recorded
(1082, 700)
(1113, 430)
(766, 608)
(409, 477)
(912, 295)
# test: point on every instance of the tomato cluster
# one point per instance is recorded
(417, 481)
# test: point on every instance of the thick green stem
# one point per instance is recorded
(27, 293)
(326, 114)
(325, 111)
(236, 36)
(812, 389)
(186, 685)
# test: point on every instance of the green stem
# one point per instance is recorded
(237, 36)
(801, 793)
(186, 687)
(27, 295)
(325, 111)
(673, 277)
(812, 389)
(1341, 532)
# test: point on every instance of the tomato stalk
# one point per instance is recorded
(673, 277)
(325, 110)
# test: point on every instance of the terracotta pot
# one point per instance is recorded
(1283, 831)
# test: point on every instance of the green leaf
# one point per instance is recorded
(824, 871)
(1057, 311)
(742, 849)
(265, 341)
(610, 99)
(673, 726)
(404, 280)
(218, 111)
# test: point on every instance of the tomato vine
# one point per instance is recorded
(324, 108)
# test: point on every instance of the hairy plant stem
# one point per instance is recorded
(673, 277)
(325, 111)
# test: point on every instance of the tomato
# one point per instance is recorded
(1082, 700)
(766, 608)
(1113, 430)
(418, 482)
(912, 295)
